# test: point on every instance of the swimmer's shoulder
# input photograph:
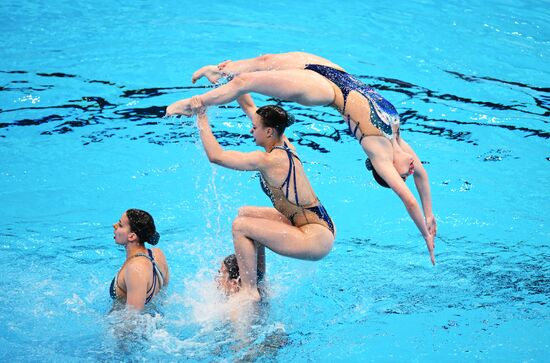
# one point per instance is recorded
(160, 259)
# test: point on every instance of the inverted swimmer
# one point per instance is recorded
(314, 81)
(145, 271)
(298, 226)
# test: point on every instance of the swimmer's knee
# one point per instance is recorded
(324, 246)
(243, 211)
(238, 225)
(265, 59)
(241, 81)
(235, 224)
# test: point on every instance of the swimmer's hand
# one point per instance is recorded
(181, 107)
(431, 224)
(431, 246)
(197, 106)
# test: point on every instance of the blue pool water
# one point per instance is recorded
(82, 89)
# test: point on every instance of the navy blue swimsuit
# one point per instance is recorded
(157, 274)
(384, 115)
(298, 214)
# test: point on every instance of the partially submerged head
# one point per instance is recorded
(229, 277)
(136, 225)
(271, 122)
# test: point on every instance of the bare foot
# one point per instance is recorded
(181, 107)
(212, 73)
(223, 64)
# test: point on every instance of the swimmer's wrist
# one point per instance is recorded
(197, 106)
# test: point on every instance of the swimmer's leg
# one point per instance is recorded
(302, 86)
(260, 260)
(263, 212)
(310, 242)
(267, 62)
(267, 213)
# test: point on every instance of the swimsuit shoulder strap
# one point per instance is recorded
(286, 148)
(156, 269)
(291, 171)
(150, 257)
(156, 272)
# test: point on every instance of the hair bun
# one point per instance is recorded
(290, 119)
(154, 239)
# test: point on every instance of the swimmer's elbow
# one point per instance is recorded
(215, 158)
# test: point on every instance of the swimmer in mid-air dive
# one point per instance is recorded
(298, 226)
(314, 81)
(145, 271)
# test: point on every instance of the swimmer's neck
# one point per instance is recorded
(133, 248)
(270, 145)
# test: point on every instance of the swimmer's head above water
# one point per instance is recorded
(139, 223)
(271, 121)
(229, 278)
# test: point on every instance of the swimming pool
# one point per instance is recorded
(83, 86)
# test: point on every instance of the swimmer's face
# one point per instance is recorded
(227, 285)
(403, 163)
(122, 230)
(259, 132)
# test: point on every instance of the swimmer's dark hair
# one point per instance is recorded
(142, 224)
(232, 267)
(275, 117)
(375, 175)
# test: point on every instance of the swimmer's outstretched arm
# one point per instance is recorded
(422, 184)
(421, 180)
(216, 154)
(247, 105)
(387, 171)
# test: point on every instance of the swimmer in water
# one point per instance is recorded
(229, 277)
(298, 225)
(145, 271)
(314, 81)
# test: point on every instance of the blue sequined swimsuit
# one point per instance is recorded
(157, 275)
(298, 214)
(384, 116)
